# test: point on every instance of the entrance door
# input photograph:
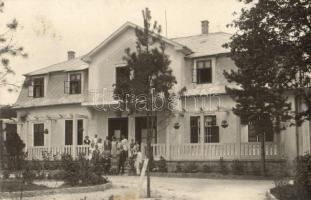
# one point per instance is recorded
(141, 130)
(117, 127)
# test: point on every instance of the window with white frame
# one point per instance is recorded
(202, 71)
(36, 87)
(211, 130)
(194, 129)
(38, 134)
(74, 85)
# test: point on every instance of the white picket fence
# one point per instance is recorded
(180, 152)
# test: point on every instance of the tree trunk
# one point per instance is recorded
(148, 155)
(260, 129)
(262, 153)
(1, 145)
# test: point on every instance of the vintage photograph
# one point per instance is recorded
(155, 99)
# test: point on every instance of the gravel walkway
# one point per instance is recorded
(178, 189)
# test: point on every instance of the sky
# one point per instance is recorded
(49, 28)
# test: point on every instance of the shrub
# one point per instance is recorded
(14, 148)
(303, 175)
(191, 168)
(178, 168)
(237, 167)
(28, 175)
(81, 171)
(71, 170)
(206, 168)
(160, 166)
(222, 166)
(6, 174)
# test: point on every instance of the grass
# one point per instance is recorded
(17, 185)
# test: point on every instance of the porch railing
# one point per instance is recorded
(215, 151)
(55, 152)
(178, 152)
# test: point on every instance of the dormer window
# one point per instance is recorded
(202, 72)
(36, 89)
(73, 86)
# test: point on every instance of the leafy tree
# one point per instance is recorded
(8, 49)
(150, 77)
(271, 49)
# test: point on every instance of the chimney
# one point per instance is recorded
(71, 55)
(204, 26)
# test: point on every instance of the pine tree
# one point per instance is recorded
(8, 49)
(150, 76)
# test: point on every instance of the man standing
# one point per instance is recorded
(125, 146)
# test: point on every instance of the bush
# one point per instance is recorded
(206, 168)
(82, 171)
(14, 152)
(71, 170)
(222, 166)
(237, 167)
(303, 175)
(178, 168)
(160, 166)
(28, 175)
(191, 168)
(6, 174)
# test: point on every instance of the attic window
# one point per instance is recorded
(73, 86)
(36, 89)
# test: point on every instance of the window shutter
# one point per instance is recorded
(66, 87)
(30, 89)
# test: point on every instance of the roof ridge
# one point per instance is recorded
(200, 35)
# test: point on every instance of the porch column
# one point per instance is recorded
(131, 127)
(167, 142)
(50, 132)
(74, 136)
(238, 137)
(202, 134)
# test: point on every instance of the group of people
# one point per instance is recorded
(117, 152)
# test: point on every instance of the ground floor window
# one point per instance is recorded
(252, 135)
(80, 131)
(68, 132)
(211, 130)
(194, 129)
(38, 134)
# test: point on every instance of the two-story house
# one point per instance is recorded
(61, 104)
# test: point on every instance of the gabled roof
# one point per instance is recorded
(205, 44)
(123, 28)
(69, 65)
